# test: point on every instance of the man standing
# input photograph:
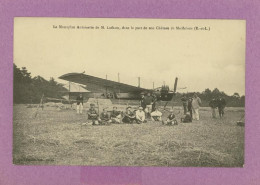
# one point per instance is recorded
(79, 104)
(148, 100)
(184, 103)
(196, 103)
(213, 106)
(154, 102)
(142, 103)
(190, 106)
(221, 106)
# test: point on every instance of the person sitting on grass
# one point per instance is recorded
(129, 116)
(171, 119)
(187, 118)
(140, 115)
(156, 115)
(93, 115)
(104, 118)
(115, 116)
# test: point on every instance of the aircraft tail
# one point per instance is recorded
(175, 84)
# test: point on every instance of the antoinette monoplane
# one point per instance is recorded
(103, 88)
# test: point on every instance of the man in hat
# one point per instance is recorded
(140, 115)
(93, 114)
(79, 104)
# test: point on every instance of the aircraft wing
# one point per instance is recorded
(95, 84)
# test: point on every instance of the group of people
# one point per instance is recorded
(148, 110)
(129, 116)
(192, 105)
(217, 103)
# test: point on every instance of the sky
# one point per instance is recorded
(199, 58)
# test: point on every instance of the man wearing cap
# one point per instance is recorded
(140, 115)
(79, 104)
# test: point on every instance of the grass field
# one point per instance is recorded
(57, 137)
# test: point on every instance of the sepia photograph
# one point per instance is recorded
(129, 92)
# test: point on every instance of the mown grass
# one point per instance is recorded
(57, 137)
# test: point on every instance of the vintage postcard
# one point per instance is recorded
(129, 92)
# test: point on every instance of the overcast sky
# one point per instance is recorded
(200, 59)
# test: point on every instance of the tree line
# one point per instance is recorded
(28, 89)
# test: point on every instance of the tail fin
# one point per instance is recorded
(175, 84)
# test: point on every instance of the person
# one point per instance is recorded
(156, 115)
(221, 103)
(93, 115)
(104, 118)
(79, 104)
(190, 106)
(148, 100)
(187, 118)
(184, 103)
(115, 116)
(129, 116)
(142, 103)
(213, 106)
(140, 115)
(154, 102)
(171, 119)
(196, 103)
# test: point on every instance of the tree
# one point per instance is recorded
(236, 95)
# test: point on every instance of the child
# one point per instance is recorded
(115, 116)
(171, 120)
(129, 116)
(104, 118)
(187, 118)
(93, 115)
